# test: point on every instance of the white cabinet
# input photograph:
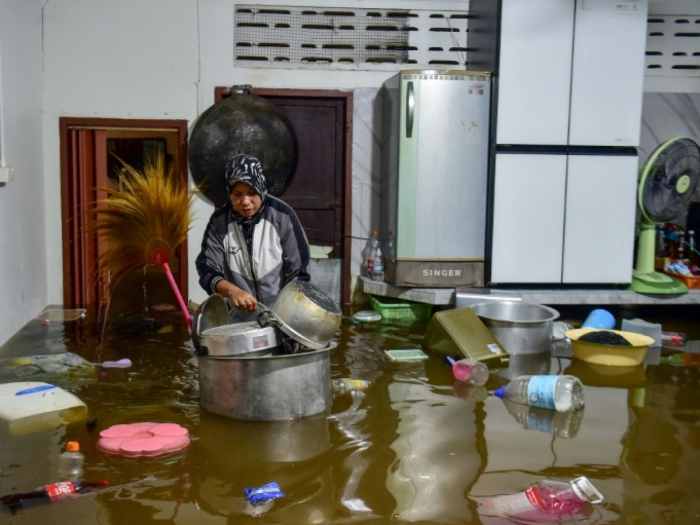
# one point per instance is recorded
(535, 71)
(561, 218)
(600, 214)
(571, 72)
(528, 225)
(608, 73)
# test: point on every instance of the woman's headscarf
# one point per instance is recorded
(247, 169)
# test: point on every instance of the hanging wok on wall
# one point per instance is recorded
(242, 123)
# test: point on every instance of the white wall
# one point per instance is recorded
(126, 59)
(162, 59)
(23, 277)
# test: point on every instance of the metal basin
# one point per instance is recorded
(267, 388)
(521, 327)
(306, 314)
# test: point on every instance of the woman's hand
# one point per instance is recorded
(239, 298)
(243, 300)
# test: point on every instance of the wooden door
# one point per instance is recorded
(87, 167)
(316, 192)
(84, 169)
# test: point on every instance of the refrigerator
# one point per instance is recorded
(566, 121)
(435, 150)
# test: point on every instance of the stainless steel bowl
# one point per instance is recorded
(306, 314)
(521, 327)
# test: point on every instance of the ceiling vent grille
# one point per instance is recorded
(673, 46)
(344, 38)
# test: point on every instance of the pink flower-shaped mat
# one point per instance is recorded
(143, 439)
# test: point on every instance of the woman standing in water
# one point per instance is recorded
(254, 245)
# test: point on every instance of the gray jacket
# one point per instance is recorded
(280, 253)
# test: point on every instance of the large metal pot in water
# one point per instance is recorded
(521, 327)
(267, 388)
(304, 313)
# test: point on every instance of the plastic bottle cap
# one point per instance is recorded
(72, 446)
(585, 490)
(499, 392)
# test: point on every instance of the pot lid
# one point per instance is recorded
(213, 312)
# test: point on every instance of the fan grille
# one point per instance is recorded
(671, 162)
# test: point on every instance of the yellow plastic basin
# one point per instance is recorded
(611, 355)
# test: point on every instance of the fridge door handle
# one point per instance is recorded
(410, 110)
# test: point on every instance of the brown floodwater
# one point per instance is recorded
(414, 447)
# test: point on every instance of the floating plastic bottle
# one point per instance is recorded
(469, 371)
(49, 493)
(345, 386)
(560, 393)
(546, 501)
(673, 338)
(70, 463)
(564, 425)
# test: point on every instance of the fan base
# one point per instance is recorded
(656, 283)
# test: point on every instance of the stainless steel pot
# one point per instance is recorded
(238, 339)
(304, 313)
(520, 327)
(213, 335)
(268, 388)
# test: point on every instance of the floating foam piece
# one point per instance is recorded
(29, 406)
(143, 439)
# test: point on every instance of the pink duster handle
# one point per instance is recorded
(178, 295)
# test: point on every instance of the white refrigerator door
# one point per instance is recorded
(443, 168)
(600, 215)
(535, 72)
(528, 226)
(608, 72)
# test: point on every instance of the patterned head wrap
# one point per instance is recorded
(247, 169)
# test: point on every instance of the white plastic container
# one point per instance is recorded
(30, 406)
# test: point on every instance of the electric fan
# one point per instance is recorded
(667, 182)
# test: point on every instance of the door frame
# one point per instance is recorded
(65, 124)
(347, 96)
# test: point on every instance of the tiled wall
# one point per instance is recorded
(366, 166)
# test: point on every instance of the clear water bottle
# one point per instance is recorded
(70, 463)
(546, 500)
(469, 371)
(378, 265)
(560, 393)
(372, 246)
(344, 386)
(673, 338)
(564, 425)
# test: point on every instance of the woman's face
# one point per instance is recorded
(245, 200)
